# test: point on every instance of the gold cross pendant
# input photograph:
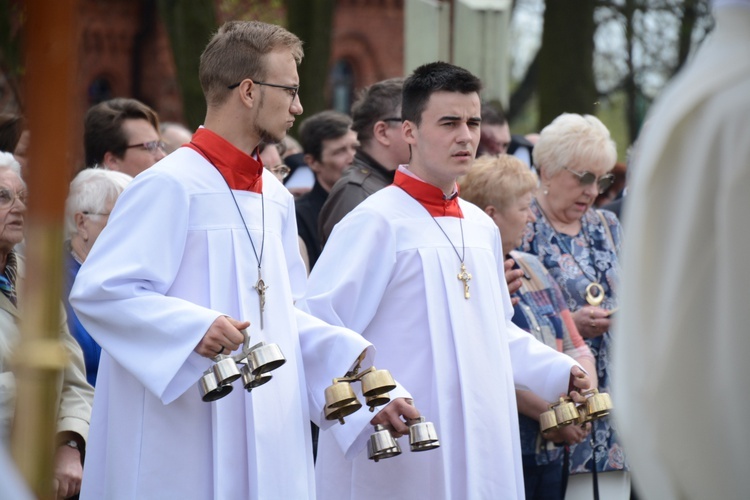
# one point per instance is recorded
(465, 277)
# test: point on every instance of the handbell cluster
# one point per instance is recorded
(341, 402)
(565, 412)
(252, 364)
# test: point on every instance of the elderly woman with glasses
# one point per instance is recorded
(579, 245)
(92, 195)
(74, 396)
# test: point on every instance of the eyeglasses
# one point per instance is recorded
(150, 146)
(94, 213)
(392, 119)
(280, 170)
(587, 178)
(8, 197)
(292, 90)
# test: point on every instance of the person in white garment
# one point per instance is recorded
(197, 248)
(419, 273)
(684, 309)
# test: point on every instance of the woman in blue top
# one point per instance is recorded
(579, 246)
(92, 195)
(503, 187)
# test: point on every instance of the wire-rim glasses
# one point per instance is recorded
(293, 90)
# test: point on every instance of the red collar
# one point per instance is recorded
(429, 196)
(241, 171)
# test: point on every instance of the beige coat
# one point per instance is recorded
(75, 395)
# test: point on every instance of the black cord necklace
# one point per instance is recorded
(260, 285)
(463, 275)
(594, 291)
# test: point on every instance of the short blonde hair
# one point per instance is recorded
(574, 140)
(498, 181)
(237, 52)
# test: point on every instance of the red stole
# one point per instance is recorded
(429, 196)
(241, 171)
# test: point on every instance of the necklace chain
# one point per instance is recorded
(463, 276)
(569, 250)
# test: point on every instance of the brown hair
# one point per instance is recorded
(103, 127)
(376, 102)
(236, 52)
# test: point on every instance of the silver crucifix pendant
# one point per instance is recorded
(260, 287)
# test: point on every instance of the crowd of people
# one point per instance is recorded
(415, 234)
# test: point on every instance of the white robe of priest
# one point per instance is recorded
(682, 350)
(389, 273)
(174, 256)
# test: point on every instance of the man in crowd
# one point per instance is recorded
(419, 273)
(329, 144)
(122, 134)
(199, 249)
(376, 117)
(494, 138)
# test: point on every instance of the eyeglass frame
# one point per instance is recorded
(281, 170)
(608, 177)
(94, 213)
(150, 146)
(276, 85)
(22, 195)
(392, 119)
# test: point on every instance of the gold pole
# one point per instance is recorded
(54, 118)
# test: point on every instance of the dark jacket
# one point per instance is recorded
(365, 177)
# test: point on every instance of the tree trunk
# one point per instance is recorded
(190, 25)
(566, 72)
(312, 21)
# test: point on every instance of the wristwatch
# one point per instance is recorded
(72, 443)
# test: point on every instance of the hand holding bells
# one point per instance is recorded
(565, 412)
(341, 402)
(253, 364)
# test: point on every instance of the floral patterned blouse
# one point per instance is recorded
(574, 262)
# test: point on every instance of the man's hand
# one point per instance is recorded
(390, 416)
(222, 337)
(68, 472)
(578, 380)
(513, 278)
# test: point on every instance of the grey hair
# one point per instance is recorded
(90, 191)
(7, 160)
(574, 140)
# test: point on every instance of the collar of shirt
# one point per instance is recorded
(241, 171)
(429, 196)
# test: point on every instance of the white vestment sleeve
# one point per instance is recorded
(536, 366)
(122, 292)
(351, 299)
(328, 351)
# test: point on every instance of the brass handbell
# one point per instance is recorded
(377, 382)
(547, 421)
(225, 369)
(265, 358)
(250, 381)
(382, 445)
(210, 388)
(565, 412)
(375, 387)
(598, 404)
(340, 401)
(422, 435)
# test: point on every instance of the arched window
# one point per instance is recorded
(99, 90)
(342, 84)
